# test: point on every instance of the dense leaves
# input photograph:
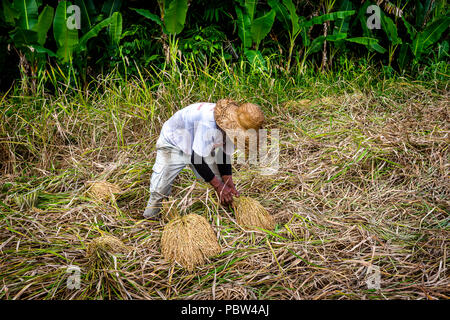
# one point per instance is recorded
(47, 34)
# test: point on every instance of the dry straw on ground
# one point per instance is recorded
(363, 182)
(228, 291)
(103, 190)
(189, 240)
(251, 214)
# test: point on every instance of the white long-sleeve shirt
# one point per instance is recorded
(193, 128)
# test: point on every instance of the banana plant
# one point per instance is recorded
(287, 15)
(111, 9)
(173, 16)
(89, 14)
(298, 26)
(29, 33)
(70, 44)
(341, 26)
(67, 39)
(171, 20)
(422, 41)
(253, 30)
(390, 28)
(30, 27)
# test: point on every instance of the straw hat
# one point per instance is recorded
(231, 116)
(241, 124)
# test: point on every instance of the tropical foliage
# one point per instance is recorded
(72, 40)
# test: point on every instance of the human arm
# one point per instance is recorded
(226, 172)
(224, 191)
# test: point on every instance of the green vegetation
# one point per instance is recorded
(73, 42)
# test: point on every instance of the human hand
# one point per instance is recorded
(223, 190)
(228, 180)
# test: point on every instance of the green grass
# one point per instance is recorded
(362, 180)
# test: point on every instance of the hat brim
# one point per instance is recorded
(226, 115)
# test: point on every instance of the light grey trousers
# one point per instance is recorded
(170, 160)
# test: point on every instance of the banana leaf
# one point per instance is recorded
(390, 29)
(261, 27)
(429, 35)
(327, 17)
(342, 25)
(24, 37)
(244, 25)
(41, 49)
(28, 13)
(147, 14)
(293, 16)
(367, 41)
(9, 12)
(410, 29)
(88, 12)
(66, 39)
(44, 23)
(250, 6)
(281, 13)
(175, 16)
(317, 43)
(95, 31)
(256, 59)
(115, 29)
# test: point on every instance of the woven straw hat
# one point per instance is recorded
(231, 116)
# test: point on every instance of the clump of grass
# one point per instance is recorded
(27, 200)
(251, 214)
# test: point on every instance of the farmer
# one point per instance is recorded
(201, 136)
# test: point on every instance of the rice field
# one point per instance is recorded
(362, 190)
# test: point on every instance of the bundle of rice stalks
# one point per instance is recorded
(251, 214)
(101, 250)
(189, 240)
(102, 277)
(103, 190)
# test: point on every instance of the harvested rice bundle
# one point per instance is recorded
(100, 249)
(251, 214)
(103, 190)
(189, 240)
